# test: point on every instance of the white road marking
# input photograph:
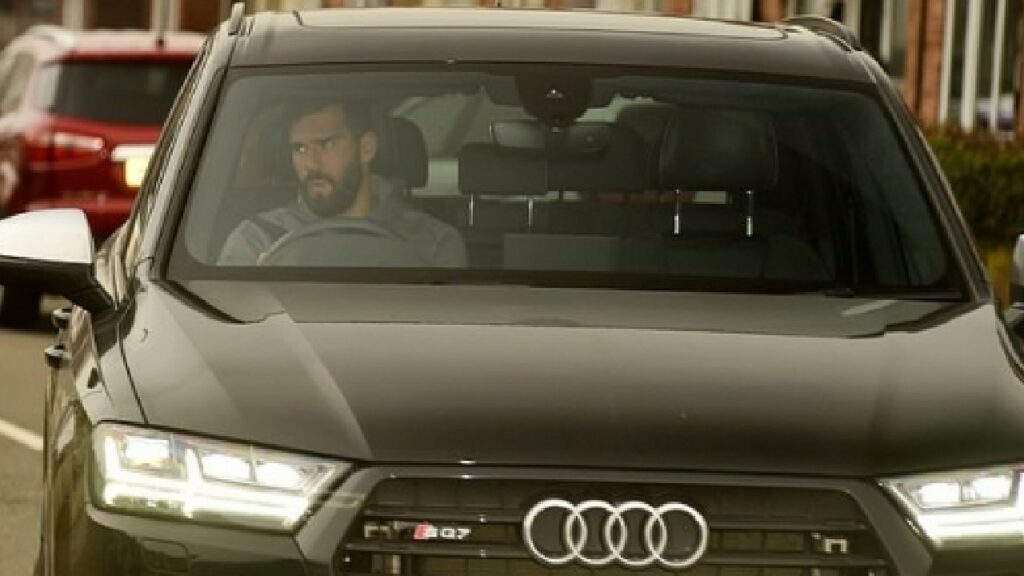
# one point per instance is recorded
(26, 438)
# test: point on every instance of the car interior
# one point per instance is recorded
(624, 183)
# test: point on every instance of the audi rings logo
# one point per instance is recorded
(633, 534)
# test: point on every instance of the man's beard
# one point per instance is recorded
(341, 195)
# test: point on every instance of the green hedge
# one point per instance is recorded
(987, 176)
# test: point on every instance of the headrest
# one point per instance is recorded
(486, 168)
(491, 169)
(718, 149)
(647, 119)
(402, 153)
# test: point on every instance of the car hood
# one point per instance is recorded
(780, 384)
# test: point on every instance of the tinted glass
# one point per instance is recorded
(565, 176)
(117, 92)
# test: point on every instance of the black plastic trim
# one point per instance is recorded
(76, 282)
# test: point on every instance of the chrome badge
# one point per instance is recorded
(428, 531)
(632, 534)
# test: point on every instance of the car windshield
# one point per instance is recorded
(118, 92)
(553, 175)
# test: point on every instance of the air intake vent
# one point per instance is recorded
(476, 528)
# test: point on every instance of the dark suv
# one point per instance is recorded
(464, 292)
(79, 115)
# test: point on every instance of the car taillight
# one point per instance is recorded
(134, 159)
(60, 147)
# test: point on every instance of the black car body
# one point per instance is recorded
(854, 413)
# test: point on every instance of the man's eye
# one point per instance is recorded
(329, 143)
(298, 148)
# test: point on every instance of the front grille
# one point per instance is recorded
(475, 528)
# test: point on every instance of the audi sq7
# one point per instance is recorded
(467, 292)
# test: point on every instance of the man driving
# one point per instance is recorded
(332, 148)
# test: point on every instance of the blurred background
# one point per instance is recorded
(955, 59)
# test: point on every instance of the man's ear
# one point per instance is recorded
(367, 147)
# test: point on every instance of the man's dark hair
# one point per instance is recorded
(358, 113)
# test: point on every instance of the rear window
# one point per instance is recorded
(565, 176)
(113, 92)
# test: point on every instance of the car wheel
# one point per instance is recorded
(19, 307)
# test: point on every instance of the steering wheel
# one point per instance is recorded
(342, 242)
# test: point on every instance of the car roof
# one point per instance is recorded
(112, 43)
(535, 36)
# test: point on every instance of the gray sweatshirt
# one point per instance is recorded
(437, 242)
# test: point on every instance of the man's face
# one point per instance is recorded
(326, 159)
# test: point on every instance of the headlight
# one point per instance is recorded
(176, 475)
(966, 508)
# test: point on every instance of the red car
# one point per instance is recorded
(79, 115)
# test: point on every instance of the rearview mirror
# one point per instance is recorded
(52, 251)
(519, 135)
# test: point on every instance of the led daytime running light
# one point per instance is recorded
(198, 479)
(966, 508)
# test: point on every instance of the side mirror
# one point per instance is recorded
(52, 251)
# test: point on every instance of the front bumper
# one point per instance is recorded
(119, 545)
(115, 545)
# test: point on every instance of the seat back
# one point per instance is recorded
(734, 152)
(560, 193)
